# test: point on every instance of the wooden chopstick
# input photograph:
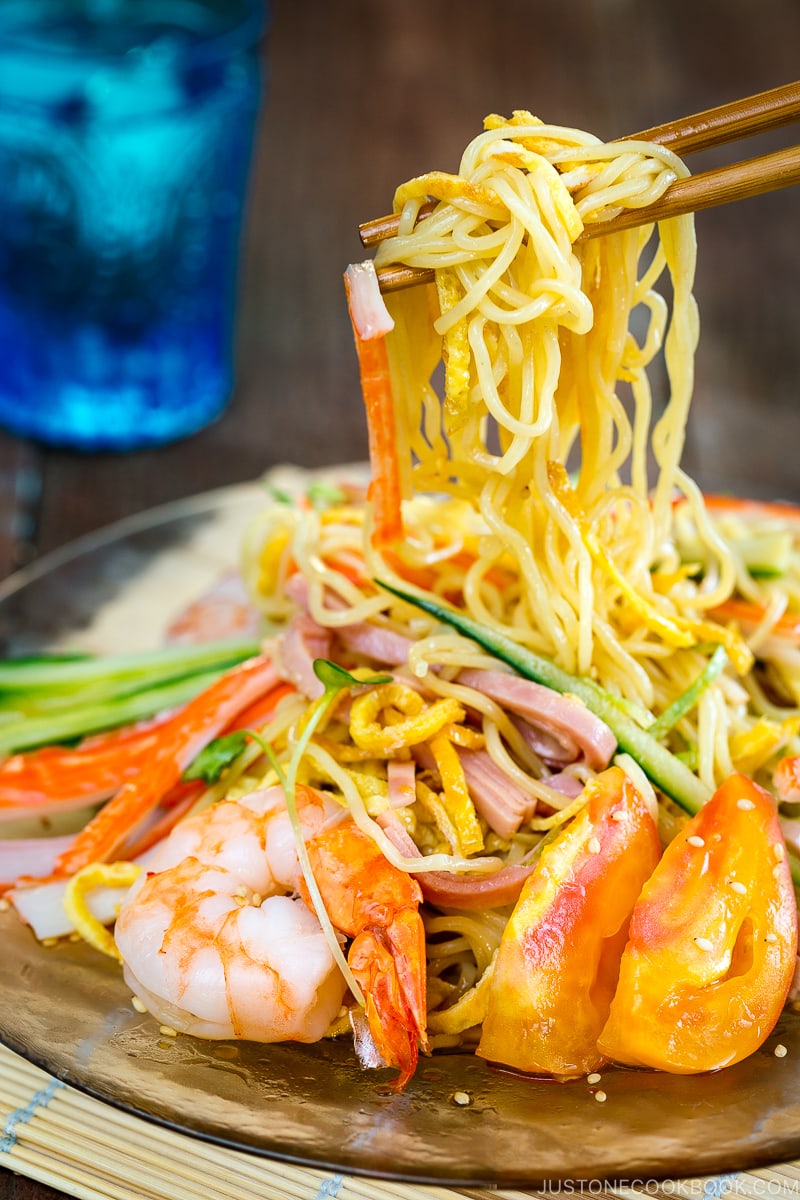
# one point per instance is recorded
(728, 122)
(716, 126)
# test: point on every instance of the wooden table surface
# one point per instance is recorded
(363, 94)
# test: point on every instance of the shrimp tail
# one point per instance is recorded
(389, 964)
(377, 906)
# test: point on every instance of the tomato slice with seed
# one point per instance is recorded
(713, 940)
(556, 969)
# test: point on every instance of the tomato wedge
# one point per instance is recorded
(713, 940)
(556, 969)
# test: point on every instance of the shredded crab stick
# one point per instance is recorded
(58, 778)
(377, 906)
(762, 510)
(180, 740)
(371, 322)
(749, 616)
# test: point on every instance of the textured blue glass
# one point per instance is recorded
(126, 130)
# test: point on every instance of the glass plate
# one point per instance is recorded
(67, 1009)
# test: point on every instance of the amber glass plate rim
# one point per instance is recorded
(68, 1011)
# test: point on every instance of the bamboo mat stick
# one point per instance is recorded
(68, 1140)
(75, 1140)
(70, 1136)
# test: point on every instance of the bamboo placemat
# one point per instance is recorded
(61, 1137)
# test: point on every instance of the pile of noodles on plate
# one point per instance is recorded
(521, 478)
(533, 655)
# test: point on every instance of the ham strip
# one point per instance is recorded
(402, 778)
(376, 642)
(565, 783)
(295, 651)
(473, 891)
(548, 749)
(296, 590)
(563, 717)
(498, 799)
(383, 645)
(457, 891)
(223, 611)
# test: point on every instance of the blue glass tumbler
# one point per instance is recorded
(126, 130)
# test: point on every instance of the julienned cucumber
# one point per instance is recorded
(55, 699)
(665, 770)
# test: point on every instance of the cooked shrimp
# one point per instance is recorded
(211, 942)
(377, 905)
(216, 942)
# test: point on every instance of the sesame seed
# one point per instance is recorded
(694, 840)
(138, 1004)
(241, 892)
(594, 846)
(167, 1031)
(745, 805)
(5, 905)
(703, 943)
(779, 851)
(49, 941)
(738, 887)
(777, 871)
(771, 938)
(462, 1098)
(600, 1097)
(619, 815)
(256, 899)
(594, 1077)
(780, 1051)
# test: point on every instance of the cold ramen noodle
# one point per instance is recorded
(514, 769)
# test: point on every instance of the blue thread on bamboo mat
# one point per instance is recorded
(330, 1188)
(21, 1116)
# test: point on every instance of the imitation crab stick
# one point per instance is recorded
(61, 778)
(179, 742)
(371, 322)
(762, 510)
(748, 616)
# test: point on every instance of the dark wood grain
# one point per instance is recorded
(362, 95)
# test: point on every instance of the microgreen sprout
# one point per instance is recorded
(322, 495)
(217, 756)
(279, 495)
